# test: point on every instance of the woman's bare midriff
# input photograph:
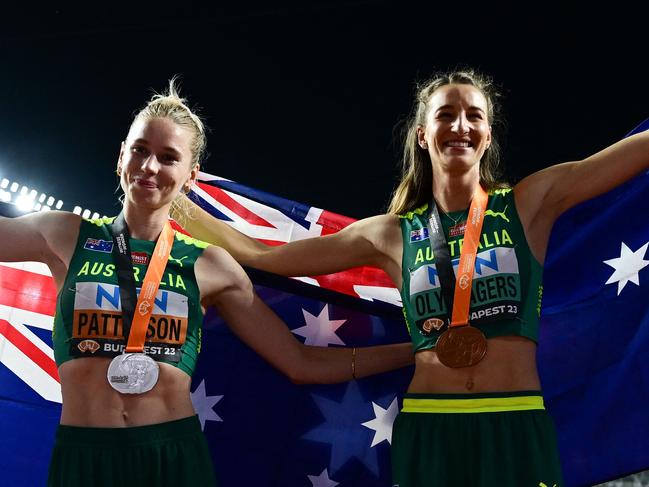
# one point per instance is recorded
(509, 365)
(89, 401)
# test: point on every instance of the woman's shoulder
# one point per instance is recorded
(216, 270)
(377, 227)
(216, 257)
(383, 221)
(60, 227)
(383, 232)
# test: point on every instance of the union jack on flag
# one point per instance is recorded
(275, 221)
(30, 393)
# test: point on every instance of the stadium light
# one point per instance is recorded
(27, 199)
(24, 203)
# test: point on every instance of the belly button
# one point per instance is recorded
(125, 415)
(469, 384)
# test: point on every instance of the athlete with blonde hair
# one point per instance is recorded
(125, 358)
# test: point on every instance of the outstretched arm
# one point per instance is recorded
(224, 284)
(374, 241)
(544, 195)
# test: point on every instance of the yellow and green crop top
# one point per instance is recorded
(88, 320)
(507, 281)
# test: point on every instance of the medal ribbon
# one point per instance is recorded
(460, 301)
(136, 316)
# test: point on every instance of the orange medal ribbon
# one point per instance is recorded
(149, 290)
(465, 269)
(463, 345)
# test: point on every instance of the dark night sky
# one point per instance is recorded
(302, 99)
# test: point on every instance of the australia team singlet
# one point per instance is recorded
(88, 320)
(507, 281)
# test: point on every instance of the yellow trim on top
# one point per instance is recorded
(418, 211)
(474, 405)
(191, 241)
(100, 222)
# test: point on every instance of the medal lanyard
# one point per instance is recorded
(458, 301)
(136, 323)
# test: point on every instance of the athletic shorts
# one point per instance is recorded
(171, 454)
(475, 440)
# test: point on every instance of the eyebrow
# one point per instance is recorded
(173, 150)
(447, 106)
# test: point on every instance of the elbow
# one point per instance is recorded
(300, 374)
(303, 369)
(298, 380)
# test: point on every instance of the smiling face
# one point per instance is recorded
(457, 130)
(155, 162)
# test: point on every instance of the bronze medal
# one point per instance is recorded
(461, 346)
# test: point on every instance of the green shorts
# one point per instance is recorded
(170, 454)
(476, 440)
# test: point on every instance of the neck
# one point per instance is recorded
(453, 192)
(144, 223)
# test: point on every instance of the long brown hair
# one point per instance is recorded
(416, 185)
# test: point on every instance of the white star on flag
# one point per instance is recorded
(322, 480)
(383, 421)
(204, 404)
(627, 266)
(319, 330)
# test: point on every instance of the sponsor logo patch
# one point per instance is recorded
(432, 324)
(88, 346)
(98, 245)
(141, 258)
(456, 230)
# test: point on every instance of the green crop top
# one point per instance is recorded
(507, 287)
(88, 320)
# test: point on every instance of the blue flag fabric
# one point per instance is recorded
(594, 339)
(265, 431)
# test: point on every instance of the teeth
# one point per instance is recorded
(458, 143)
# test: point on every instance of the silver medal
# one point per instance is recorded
(132, 373)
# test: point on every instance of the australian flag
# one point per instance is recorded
(265, 431)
